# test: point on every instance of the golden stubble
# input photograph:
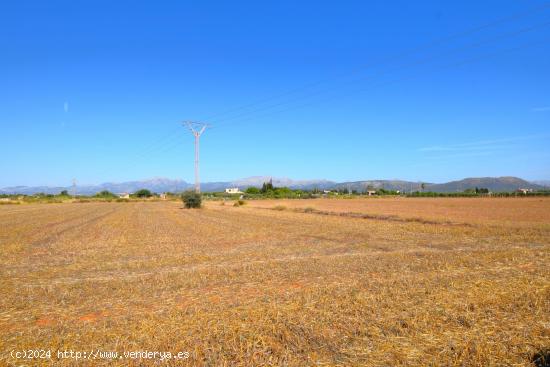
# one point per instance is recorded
(276, 283)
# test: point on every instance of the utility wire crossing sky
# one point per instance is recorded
(425, 91)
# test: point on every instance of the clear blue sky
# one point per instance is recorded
(427, 91)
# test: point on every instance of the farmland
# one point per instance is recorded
(371, 282)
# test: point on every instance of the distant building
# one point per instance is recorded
(233, 190)
(124, 195)
(524, 191)
(371, 192)
(162, 196)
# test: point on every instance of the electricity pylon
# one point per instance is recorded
(74, 188)
(197, 128)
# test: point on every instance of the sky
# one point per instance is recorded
(351, 90)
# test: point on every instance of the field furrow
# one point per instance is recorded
(242, 286)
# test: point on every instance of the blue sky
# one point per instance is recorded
(427, 91)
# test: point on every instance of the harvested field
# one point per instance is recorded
(244, 286)
(528, 211)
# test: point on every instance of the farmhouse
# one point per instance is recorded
(233, 190)
(124, 195)
(371, 192)
(524, 191)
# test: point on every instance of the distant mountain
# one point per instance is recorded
(545, 183)
(258, 181)
(27, 190)
(397, 185)
(494, 184)
(154, 184)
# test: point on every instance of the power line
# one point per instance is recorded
(544, 42)
(160, 145)
(400, 55)
(418, 62)
(170, 137)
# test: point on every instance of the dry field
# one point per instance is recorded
(528, 211)
(391, 282)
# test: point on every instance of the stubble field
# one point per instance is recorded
(369, 282)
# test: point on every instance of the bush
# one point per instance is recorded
(105, 194)
(252, 190)
(143, 193)
(191, 199)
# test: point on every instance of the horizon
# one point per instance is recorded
(275, 178)
(425, 92)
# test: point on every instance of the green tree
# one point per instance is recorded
(191, 199)
(267, 186)
(64, 193)
(105, 194)
(143, 193)
(252, 190)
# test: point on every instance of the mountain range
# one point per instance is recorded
(158, 185)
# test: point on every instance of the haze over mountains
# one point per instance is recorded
(158, 185)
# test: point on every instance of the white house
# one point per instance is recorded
(524, 191)
(233, 190)
(124, 195)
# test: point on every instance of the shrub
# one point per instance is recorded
(253, 190)
(279, 207)
(191, 199)
(105, 194)
(143, 193)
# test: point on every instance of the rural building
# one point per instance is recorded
(524, 191)
(233, 190)
(371, 192)
(163, 196)
(124, 195)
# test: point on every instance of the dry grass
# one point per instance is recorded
(499, 211)
(248, 286)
